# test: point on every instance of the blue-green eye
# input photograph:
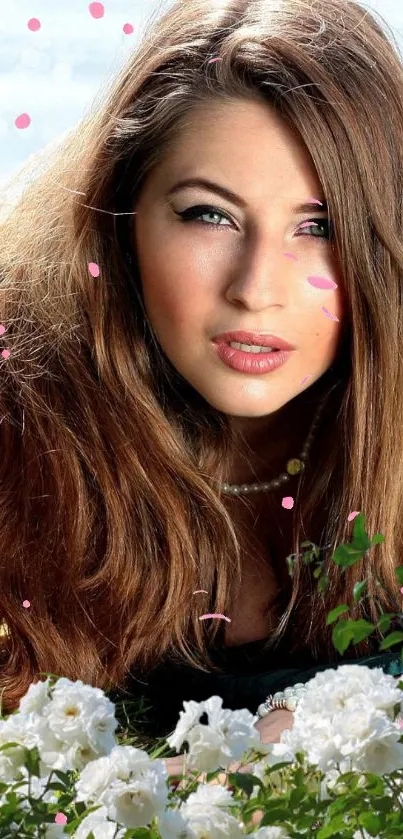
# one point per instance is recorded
(317, 222)
(195, 213)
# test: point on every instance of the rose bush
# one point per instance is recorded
(338, 771)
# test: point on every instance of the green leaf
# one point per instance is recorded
(211, 775)
(334, 614)
(385, 621)
(374, 783)
(243, 780)
(358, 589)
(399, 574)
(32, 761)
(63, 776)
(297, 795)
(346, 555)
(370, 821)
(10, 745)
(390, 640)
(346, 631)
(34, 819)
(361, 629)
(56, 785)
(359, 527)
(377, 539)
(277, 813)
(342, 636)
(329, 830)
(277, 766)
(323, 583)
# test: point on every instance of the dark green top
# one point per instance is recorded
(251, 673)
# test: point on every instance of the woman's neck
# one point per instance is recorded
(265, 444)
(263, 451)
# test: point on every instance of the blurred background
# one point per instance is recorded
(52, 70)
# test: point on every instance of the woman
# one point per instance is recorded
(129, 432)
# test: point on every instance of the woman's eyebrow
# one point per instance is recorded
(305, 207)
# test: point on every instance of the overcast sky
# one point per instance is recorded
(54, 72)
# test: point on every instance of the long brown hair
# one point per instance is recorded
(110, 514)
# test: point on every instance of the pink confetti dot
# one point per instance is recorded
(96, 10)
(22, 121)
(321, 282)
(401, 590)
(213, 59)
(26, 604)
(288, 502)
(6, 353)
(2, 329)
(291, 256)
(306, 378)
(34, 24)
(353, 515)
(60, 818)
(93, 269)
(128, 29)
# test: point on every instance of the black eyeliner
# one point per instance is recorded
(193, 212)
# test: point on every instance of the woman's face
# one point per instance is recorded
(227, 270)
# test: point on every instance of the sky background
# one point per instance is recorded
(53, 74)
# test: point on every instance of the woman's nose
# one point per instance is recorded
(262, 279)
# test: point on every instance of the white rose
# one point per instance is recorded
(187, 719)
(95, 778)
(11, 760)
(173, 825)
(136, 802)
(82, 715)
(100, 826)
(349, 685)
(206, 815)
(30, 730)
(36, 699)
(315, 739)
(371, 742)
(128, 782)
(225, 738)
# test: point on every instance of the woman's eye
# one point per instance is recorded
(316, 223)
(197, 213)
(194, 213)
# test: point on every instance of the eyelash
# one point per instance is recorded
(192, 213)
